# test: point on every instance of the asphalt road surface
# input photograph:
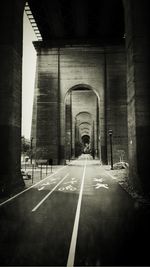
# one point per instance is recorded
(78, 216)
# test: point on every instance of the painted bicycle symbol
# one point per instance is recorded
(68, 188)
(100, 183)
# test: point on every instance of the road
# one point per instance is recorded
(78, 216)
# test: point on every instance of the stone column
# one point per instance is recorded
(11, 27)
(138, 90)
(46, 125)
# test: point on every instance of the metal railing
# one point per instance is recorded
(35, 172)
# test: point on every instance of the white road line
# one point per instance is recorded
(113, 177)
(72, 249)
(8, 200)
(41, 202)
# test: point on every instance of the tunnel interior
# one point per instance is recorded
(86, 139)
(82, 125)
(86, 144)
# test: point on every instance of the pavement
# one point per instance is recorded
(77, 216)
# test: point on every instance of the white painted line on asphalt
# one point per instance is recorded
(71, 256)
(41, 202)
(113, 177)
(8, 200)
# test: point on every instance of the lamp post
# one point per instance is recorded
(69, 151)
(22, 146)
(111, 150)
(31, 148)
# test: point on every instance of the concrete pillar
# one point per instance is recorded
(11, 26)
(67, 134)
(138, 90)
(116, 102)
(46, 125)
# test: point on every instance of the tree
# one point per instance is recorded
(25, 145)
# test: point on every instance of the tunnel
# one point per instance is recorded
(82, 124)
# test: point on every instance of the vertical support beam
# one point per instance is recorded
(75, 136)
(116, 100)
(67, 129)
(104, 153)
(11, 31)
(93, 148)
(138, 85)
(97, 126)
(71, 139)
(47, 104)
(60, 152)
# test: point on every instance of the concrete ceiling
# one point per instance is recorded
(79, 20)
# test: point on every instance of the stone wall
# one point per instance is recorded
(45, 127)
(61, 70)
(138, 93)
(11, 25)
(116, 103)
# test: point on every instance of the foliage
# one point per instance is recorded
(25, 145)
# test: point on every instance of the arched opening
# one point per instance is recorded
(86, 144)
(82, 122)
(83, 133)
(86, 139)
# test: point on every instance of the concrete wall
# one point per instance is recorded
(60, 70)
(82, 66)
(45, 128)
(138, 90)
(116, 102)
(11, 25)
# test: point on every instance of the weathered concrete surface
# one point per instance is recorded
(138, 93)
(45, 129)
(116, 102)
(10, 94)
(60, 70)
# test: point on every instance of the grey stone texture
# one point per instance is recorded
(138, 93)
(68, 69)
(10, 95)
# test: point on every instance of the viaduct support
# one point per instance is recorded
(11, 26)
(138, 90)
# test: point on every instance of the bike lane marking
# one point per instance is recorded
(72, 249)
(27, 189)
(41, 202)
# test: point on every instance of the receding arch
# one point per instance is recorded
(82, 86)
(88, 100)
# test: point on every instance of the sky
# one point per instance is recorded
(28, 76)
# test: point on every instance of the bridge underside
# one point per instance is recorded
(83, 66)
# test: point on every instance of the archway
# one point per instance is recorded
(82, 122)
